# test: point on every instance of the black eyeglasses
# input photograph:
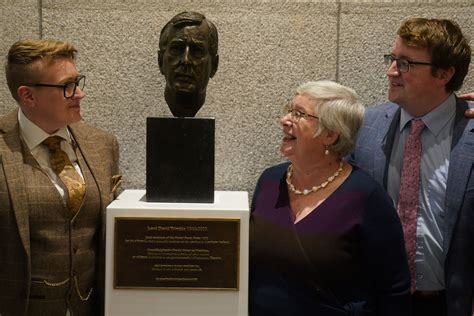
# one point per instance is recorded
(69, 88)
(403, 65)
(296, 115)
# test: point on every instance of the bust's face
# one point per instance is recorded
(186, 62)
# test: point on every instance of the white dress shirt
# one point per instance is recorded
(33, 136)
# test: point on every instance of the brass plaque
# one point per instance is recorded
(176, 253)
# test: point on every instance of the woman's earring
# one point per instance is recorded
(326, 152)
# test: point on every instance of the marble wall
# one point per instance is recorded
(267, 48)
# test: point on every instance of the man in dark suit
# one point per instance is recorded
(52, 199)
(428, 62)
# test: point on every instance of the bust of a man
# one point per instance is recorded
(187, 58)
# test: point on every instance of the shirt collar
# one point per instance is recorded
(435, 120)
(33, 135)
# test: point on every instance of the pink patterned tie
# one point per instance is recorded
(409, 193)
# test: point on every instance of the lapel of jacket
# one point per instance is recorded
(460, 166)
(87, 145)
(386, 128)
(11, 156)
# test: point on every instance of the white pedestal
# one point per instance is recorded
(185, 302)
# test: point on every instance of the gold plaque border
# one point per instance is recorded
(161, 288)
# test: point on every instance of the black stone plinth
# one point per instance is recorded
(180, 160)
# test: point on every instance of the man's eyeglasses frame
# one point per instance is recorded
(403, 64)
(68, 90)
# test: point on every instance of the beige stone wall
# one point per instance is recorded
(266, 49)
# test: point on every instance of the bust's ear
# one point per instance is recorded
(214, 65)
(160, 61)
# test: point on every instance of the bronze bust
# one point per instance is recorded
(187, 58)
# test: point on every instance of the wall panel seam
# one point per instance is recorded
(40, 19)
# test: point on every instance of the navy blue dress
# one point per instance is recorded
(348, 255)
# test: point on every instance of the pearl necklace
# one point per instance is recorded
(315, 188)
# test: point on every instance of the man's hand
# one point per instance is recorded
(469, 112)
(467, 96)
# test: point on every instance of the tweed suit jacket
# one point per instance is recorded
(372, 153)
(100, 152)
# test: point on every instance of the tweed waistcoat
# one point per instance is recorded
(63, 245)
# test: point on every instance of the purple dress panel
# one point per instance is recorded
(333, 261)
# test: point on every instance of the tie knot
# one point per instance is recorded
(417, 126)
(52, 142)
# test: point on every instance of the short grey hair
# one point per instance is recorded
(338, 109)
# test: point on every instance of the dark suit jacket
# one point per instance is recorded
(372, 153)
(100, 151)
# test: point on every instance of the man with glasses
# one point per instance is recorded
(57, 175)
(420, 146)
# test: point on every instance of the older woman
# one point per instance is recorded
(325, 238)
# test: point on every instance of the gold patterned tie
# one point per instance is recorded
(62, 166)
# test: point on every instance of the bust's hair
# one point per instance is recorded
(190, 18)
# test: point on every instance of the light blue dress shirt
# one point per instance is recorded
(436, 148)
